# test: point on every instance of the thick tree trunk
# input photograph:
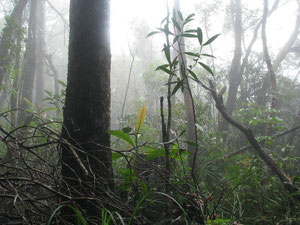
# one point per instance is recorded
(29, 71)
(39, 94)
(86, 158)
(8, 38)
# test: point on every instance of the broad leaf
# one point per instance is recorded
(208, 55)
(211, 39)
(152, 33)
(176, 39)
(176, 24)
(163, 68)
(153, 153)
(116, 155)
(200, 35)
(206, 67)
(124, 136)
(194, 76)
(189, 35)
(141, 118)
(180, 15)
(178, 85)
(192, 54)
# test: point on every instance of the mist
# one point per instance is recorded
(185, 112)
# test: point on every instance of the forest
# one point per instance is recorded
(161, 112)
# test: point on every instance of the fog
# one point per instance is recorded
(132, 20)
(167, 141)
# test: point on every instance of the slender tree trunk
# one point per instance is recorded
(234, 75)
(8, 38)
(128, 81)
(55, 80)
(271, 73)
(29, 69)
(289, 44)
(40, 74)
(16, 84)
(188, 100)
(86, 158)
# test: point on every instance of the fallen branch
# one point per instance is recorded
(284, 178)
(245, 148)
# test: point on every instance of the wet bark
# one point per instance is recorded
(29, 68)
(40, 73)
(86, 158)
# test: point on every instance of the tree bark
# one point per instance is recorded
(86, 158)
(289, 44)
(29, 71)
(234, 75)
(8, 38)
(55, 76)
(188, 99)
(41, 42)
(271, 73)
(233, 86)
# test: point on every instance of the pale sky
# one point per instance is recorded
(279, 26)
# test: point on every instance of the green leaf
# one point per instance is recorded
(180, 15)
(175, 62)
(211, 39)
(192, 54)
(164, 19)
(189, 35)
(80, 218)
(141, 118)
(208, 55)
(152, 33)
(163, 68)
(206, 67)
(199, 127)
(49, 93)
(195, 78)
(176, 39)
(189, 18)
(63, 84)
(166, 50)
(153, 153)
(191, 143)
(199, 35)
(190, 31)
(116, 155)
(178, 85)
(176, 24)
(186, 22)
(28, 102)
(126, 129)
(120, 134)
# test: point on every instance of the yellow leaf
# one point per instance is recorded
(141, 118)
